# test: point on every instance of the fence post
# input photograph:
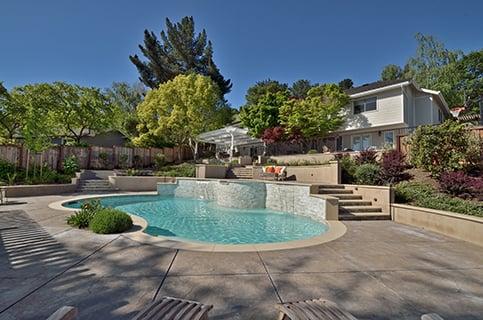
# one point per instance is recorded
(89, 155)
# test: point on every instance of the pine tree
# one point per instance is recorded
(179, 51)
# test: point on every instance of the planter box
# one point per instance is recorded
(137, 183)
(40, 189)
(460, 226)
(210, 171)
(327, 173)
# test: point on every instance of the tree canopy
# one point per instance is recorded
(318, 114)
(264, 113)
(42, 111)
(179, 51)
(346, 84)
(125, 98)
(261, 88)
(457, 75)
(178, 111)
(300, 88)
(391, 72)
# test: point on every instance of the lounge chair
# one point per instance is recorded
(315, 309)
(166, 308)
(274, 173)
(431, 316)
(64, 313)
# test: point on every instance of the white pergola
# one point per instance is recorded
(228, 138)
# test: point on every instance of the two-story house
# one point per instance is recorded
(379, 112)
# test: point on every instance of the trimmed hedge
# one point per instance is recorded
(109, 220)
(423, 195)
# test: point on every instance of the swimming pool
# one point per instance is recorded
(206, 221)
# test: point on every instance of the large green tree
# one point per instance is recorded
(300, 88)
(79, 111)
(346, 84)
(11, 115)
(178, 111)
(391, 72)
(179, 51)
(264, 113)
(125, 98)
(317, 115)
(456, 75)
(261, 88)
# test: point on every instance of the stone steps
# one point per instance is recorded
(94, 186)
(240, 173)
(353, 206)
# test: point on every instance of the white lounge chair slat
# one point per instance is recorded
(64, 313)
(316, 309)
(431, 316)
(169, 308)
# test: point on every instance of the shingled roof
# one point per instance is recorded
(373, 85)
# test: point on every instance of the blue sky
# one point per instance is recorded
(88, 42)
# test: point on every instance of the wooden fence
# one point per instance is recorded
(92, 157)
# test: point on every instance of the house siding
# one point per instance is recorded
(389, 111)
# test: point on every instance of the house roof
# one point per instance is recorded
(373, 85)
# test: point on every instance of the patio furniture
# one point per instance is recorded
(64, 313)
(278, 173)
(168, 308)
(431, 316)
(315, 309)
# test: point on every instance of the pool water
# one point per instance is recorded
(202, 220)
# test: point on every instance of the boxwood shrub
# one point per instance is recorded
(109, 220)
(423, 195)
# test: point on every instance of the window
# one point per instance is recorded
(362, 142)
(365, 105)
(440, 116)
(389, 139)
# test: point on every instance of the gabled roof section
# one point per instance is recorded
(373, 86)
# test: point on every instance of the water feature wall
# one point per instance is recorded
(288, 197)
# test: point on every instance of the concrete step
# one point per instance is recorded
(347, 196)
(334, 192)
(331, 186)
(353, 202)
(364, 216)
(352, 209)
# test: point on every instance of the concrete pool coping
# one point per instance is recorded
(336, 229)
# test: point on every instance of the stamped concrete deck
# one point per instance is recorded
(377, 270)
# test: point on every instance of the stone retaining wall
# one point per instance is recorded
(40, 189)
(460, 226)
(141, 183)
(245, 194)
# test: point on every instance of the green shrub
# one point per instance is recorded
(6, 169)
(348, 168)
(123, 159)
(109, 220)
(159, 161)
(312, 151)
(424, 195)
(181, 170)
(446, 147)
(83, 217)
(368, 174)
(406, 192)
(71, 165)
(105, 160)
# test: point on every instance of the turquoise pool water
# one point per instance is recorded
(201, 220)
